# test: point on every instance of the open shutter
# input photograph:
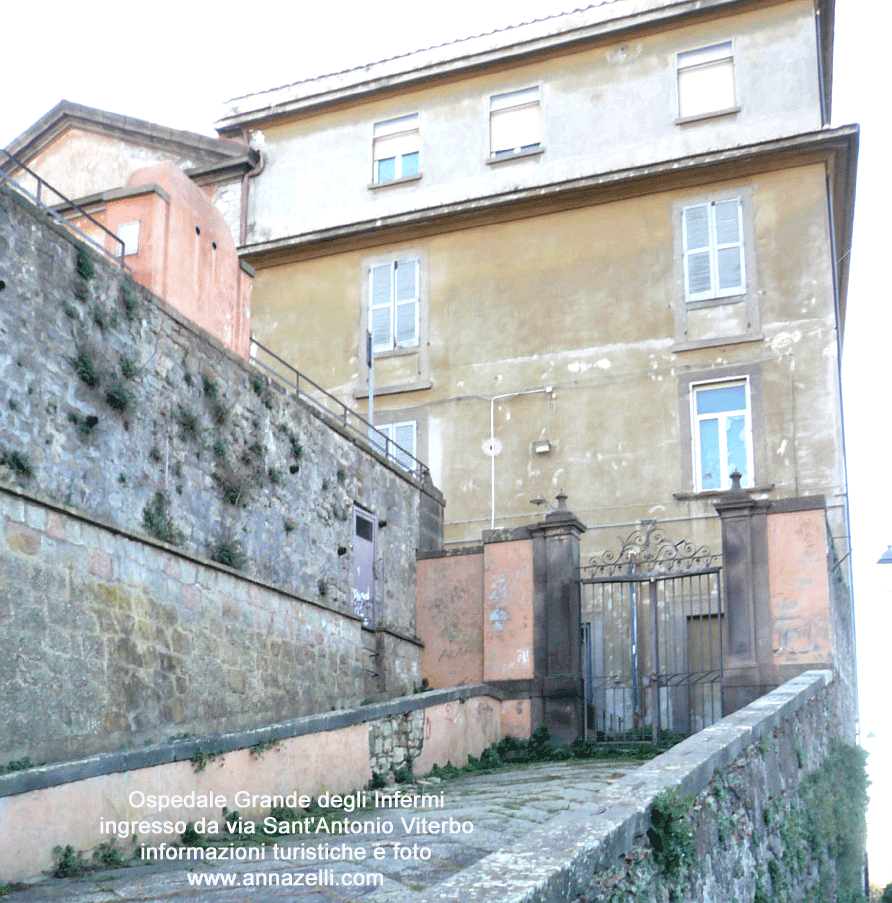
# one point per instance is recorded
(697, 253)
(729, 247)
(404, 437)
(406, 314)
(381, 306)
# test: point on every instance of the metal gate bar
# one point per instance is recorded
(652, 639)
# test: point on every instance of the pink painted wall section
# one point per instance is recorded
(517, 718)
(508, 610)
(334, 760)
(455, 730)
(799, 589)
(186, 253)
(449, 619)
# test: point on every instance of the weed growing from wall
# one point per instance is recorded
(129, 300)
(85, 425)
(118, 397)
(671, 834)
(84, 267)
(158, 523)
(187, 420)
(83, 365)
(18, 463)
(228, 552)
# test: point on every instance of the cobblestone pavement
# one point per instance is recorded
(396, 852)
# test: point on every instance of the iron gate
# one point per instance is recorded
(651, 638)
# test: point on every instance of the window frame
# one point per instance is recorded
(389, 430)
(714, 247)
(130, 237)
(415, 375)
(394, 304)
(760, 460)
(744, 322)
(682, 67)
(721, 417)
(389, 131)
(498, 155)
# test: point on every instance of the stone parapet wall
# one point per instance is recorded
(112, 640)
(745, 787)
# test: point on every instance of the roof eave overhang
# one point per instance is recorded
(402, 72)
(836, 148)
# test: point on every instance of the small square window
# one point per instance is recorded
(128, 233)
(706, 81)
(395, 150)
(723, 435)
(514, 122)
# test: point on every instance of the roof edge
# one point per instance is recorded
(67, 114)
(514, 42)
(843, 139)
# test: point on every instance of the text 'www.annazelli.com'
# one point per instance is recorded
(320, 878)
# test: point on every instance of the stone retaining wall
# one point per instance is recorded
(111, 640)
(114, 404)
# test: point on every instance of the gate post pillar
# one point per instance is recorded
(557, 648)
(745, 565)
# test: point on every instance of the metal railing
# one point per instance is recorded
(290, 377)
(42, 187)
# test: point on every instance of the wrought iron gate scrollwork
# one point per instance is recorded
(652, 637)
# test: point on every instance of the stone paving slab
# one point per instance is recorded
(502, 806)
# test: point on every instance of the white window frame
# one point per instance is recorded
(714, 248)
(396, 139)
(388, 316)
(706, 63)
(128, 235)
(722, 418)
(404, 436)
(509, 109)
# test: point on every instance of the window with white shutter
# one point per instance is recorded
(393, 304)
(706, 81)
(712, 239)
(514, 122)
(395, 149)
(398, 441)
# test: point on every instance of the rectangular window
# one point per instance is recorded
(398, 441)
(514, 122)
(722, 434)
(393, 304)
(712, 237)
(128, 233)
(706, 81)
(395, 150)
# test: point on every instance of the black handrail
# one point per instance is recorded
(67, 203)
(327, 402)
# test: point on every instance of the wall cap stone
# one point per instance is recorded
(52, 775)
(147, 540)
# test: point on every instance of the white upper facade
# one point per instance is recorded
(610, 89)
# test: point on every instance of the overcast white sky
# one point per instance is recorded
(177, 63)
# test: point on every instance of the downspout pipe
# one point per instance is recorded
(251, 173)
(837, 310)
(819, 43)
